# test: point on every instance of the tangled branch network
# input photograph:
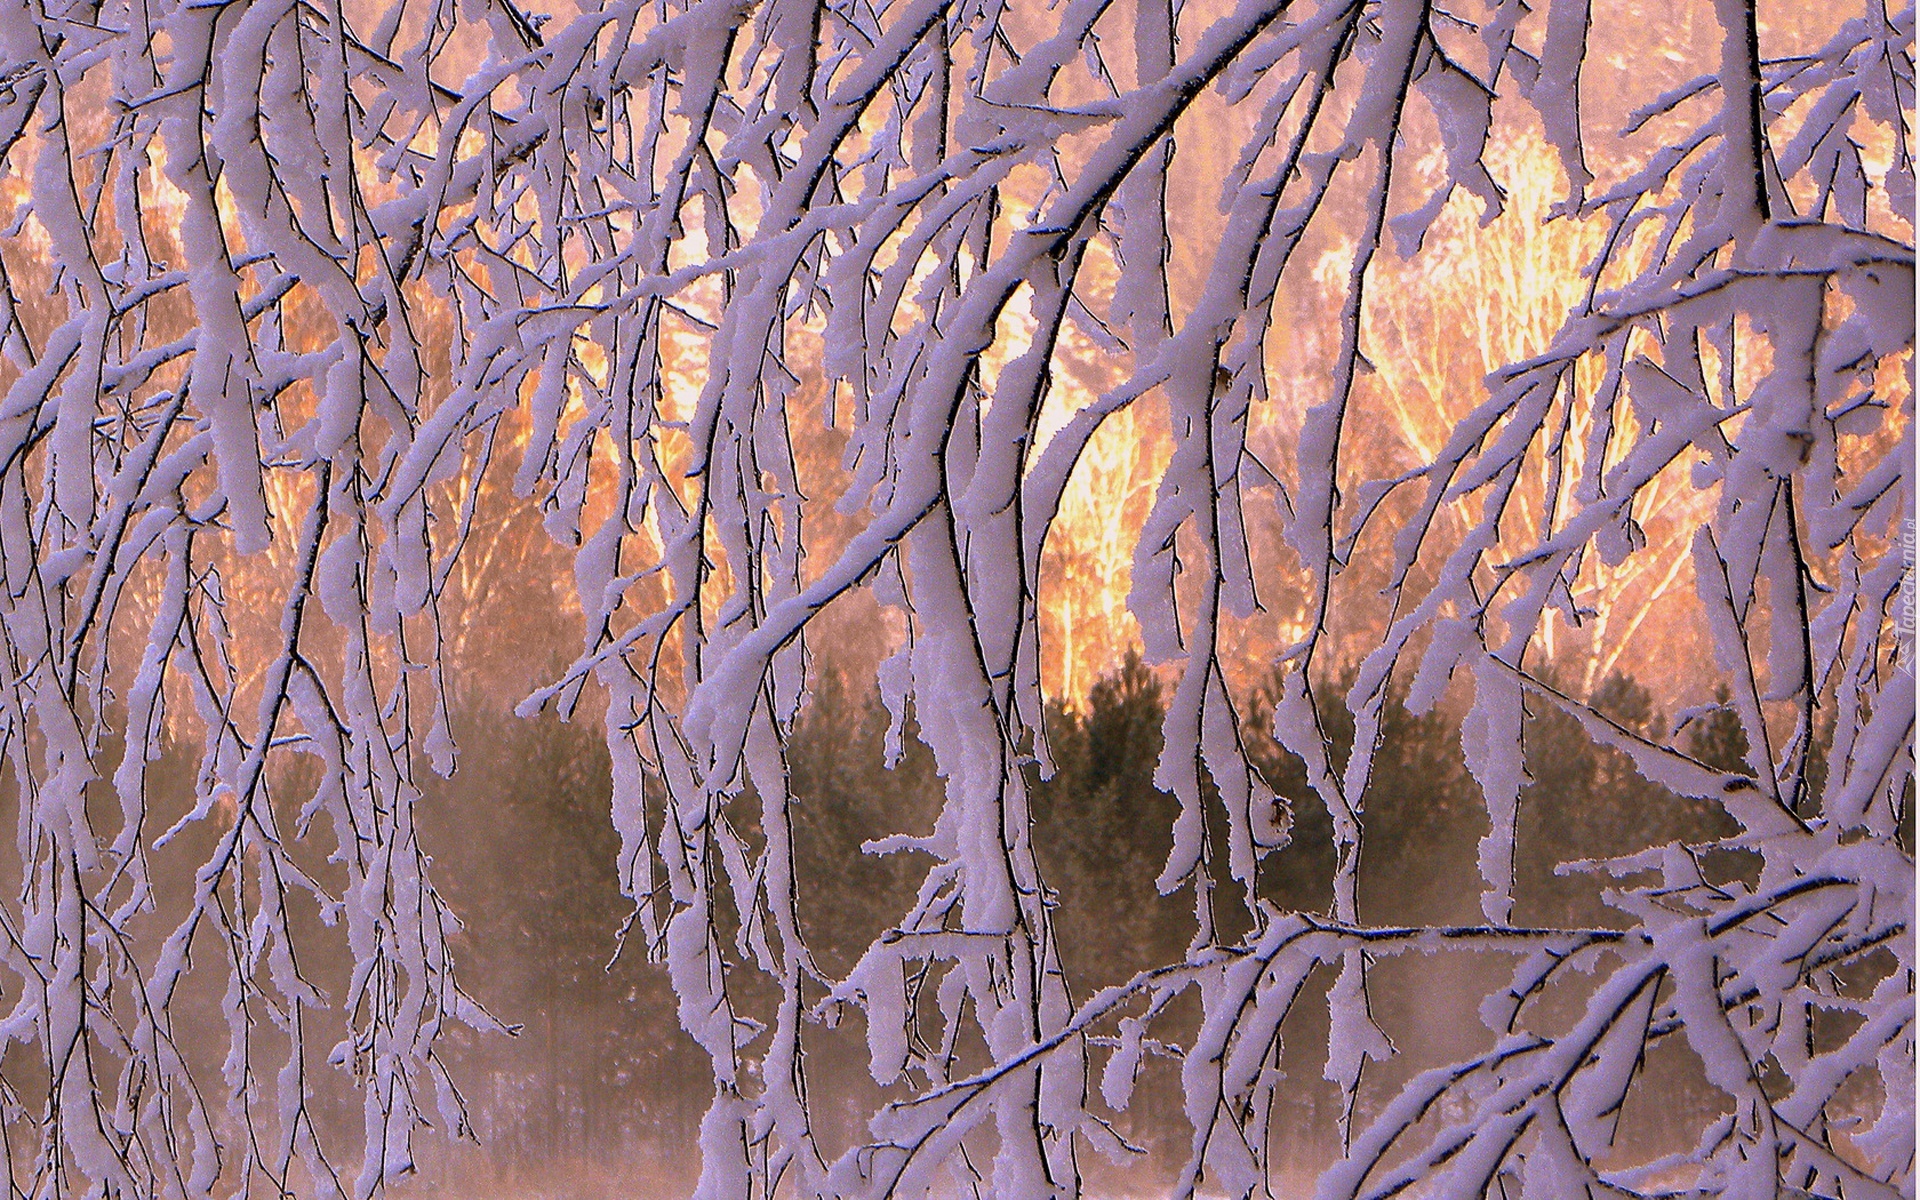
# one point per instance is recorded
(287, 281)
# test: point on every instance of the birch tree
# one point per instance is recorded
(285, 278)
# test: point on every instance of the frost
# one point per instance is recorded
(286, 287)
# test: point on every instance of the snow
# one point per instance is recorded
(636, 245)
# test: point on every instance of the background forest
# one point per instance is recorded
(597, 1094)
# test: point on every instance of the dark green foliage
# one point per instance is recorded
(601, 1071)
(1102, 832)
(844, 796)
(1717, 738)
(1589, 802)
(1421, 813)
(1103, 829)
